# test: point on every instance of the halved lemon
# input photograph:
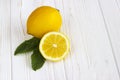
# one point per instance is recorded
(54, 46)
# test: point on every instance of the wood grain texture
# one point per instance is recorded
(112, 24)
(5, 43)
(91, 25)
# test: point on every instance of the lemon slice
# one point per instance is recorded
(54, 46)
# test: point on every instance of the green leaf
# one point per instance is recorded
(37, 60)
(27, 46)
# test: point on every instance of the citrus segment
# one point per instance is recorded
(54, 46)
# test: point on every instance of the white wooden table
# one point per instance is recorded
(93, 27)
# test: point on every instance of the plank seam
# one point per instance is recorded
(117, 5)
(11, 43)
(107, 31)
(70, 52)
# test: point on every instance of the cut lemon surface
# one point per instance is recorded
(54, 46)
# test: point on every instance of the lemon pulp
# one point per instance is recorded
(54, 46)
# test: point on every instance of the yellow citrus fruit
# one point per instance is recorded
(42, 20)
(54, 46)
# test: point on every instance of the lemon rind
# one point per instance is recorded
(48, 57)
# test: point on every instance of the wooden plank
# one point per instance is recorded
(20, 65)
(5, 41)
(111, 14)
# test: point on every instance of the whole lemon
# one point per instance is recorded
(42, 20)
